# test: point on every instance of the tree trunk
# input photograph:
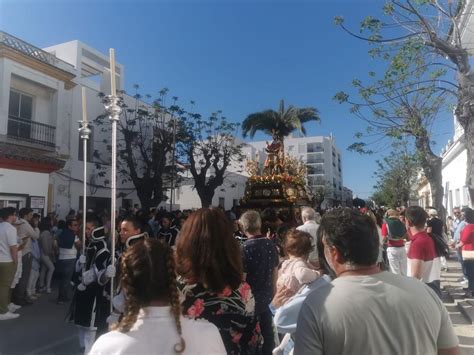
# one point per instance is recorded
(206, 196)
(469, 143)
(465, 115)
(145, 200)
(431, 165)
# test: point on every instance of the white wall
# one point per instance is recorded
(232, 189)
(454, 176)
(24, 182)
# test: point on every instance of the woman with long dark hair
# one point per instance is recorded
(209, 262)
(152, 321)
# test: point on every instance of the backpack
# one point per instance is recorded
(396, 229)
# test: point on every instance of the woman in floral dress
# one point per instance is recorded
(209, 263)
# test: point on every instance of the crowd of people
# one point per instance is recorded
(242, 282)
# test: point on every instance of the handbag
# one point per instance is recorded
(467, 254)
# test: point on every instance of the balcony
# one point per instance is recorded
(32, 51)
(313, 160)
(30, 131)
(314, 149)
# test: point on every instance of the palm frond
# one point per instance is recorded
(281, 123)
(307, 114)
(260, 121)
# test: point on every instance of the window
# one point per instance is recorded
(314, 147)
(222, 202)
(291, 148)
(314, 158)
(90, 147)
(20, 106)
(235, 202)
(20, 109)
(311, 169)
(316, 180)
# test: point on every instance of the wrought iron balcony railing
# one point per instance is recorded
(32, 51)
(31, 131)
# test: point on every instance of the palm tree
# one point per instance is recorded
(281, 123)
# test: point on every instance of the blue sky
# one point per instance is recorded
(236, 56)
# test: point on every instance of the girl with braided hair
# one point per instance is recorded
(152, 322)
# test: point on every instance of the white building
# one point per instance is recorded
(93, 73)
(323, 161)
(41, 163)
(454, 171)
(35, 104)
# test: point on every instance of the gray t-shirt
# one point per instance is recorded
(378, 314)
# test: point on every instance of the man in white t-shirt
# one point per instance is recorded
(8, 259)
(308, 216)
(365, 310)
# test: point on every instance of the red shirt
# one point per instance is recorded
(467, 237)
(391, 243)
(422, 247)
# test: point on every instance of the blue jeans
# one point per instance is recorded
(66, 270)
(469, 264)
(266, 326)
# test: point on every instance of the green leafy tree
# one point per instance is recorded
(281, 123)
(402, 104)
(396, 176)
(437, 29)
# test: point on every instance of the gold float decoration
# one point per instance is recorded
(280, 182)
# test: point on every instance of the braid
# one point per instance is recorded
(132, 304)
(174, 300)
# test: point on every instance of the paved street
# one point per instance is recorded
(41, 328)
(453, 300)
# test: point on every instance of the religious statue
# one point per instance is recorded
(274, 163)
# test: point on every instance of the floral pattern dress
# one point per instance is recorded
(231, 311)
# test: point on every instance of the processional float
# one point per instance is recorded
(279, 183)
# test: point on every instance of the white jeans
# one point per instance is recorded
(31, 288)
(397, 258)
(19, 270)
(47, 270)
